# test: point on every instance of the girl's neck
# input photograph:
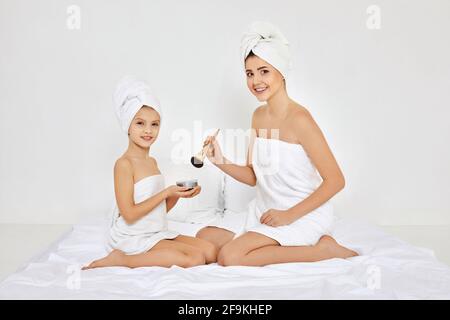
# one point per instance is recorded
(279, 103)
(135, 151)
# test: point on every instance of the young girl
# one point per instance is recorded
(290, 218)
(138, 235)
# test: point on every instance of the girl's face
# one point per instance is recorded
(263, 80)
(144, 128)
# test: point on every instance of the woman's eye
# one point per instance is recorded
(249, 75)
(264, 71)
(155, 124)
(139, 123)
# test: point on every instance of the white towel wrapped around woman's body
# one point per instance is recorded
(142, 235)
(285, 176)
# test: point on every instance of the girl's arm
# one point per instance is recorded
(171, 202)
(124, 191)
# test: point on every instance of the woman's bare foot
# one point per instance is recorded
(114, 259)
(333, 249)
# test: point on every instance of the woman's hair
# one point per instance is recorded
(251, 53)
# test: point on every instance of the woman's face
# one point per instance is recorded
(144, 128)
(263, 80)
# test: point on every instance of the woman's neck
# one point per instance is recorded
(279, 103)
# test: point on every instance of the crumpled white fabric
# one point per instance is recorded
(388, 268)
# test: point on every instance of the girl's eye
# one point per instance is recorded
(155, 124)
(264, 71)
(139, 123)
(249, 74)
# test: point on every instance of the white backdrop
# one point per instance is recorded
(381, 96)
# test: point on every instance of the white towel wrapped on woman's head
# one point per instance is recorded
(129, 97)
(267, 42)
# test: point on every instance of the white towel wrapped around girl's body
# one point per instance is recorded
(142, 235)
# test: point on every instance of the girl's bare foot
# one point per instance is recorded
(333, 249)
(115, 258)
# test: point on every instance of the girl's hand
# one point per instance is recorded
(214, 153)
(191, 193)
(183, 192)
(276, 218)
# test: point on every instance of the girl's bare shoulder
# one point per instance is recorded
(123, 165)
(153, 162)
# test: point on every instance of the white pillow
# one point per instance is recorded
(204, 207)
(237, 195)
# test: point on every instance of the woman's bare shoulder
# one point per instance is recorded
(258, 114)
(260, 110)
(300, 110)
(304, 124)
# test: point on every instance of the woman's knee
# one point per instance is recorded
(206, 233)
(210, 251)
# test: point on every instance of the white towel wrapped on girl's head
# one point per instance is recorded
(129, 97)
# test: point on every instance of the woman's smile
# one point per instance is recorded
(260, 90)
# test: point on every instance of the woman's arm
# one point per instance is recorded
(244, 174)
(316, 146)
(124, 190)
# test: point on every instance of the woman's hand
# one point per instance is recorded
(214, 153)
(183, 192)
(276, 218)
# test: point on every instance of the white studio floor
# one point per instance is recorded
(20, 243)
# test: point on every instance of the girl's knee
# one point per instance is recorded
(194, 258)
(228, 256)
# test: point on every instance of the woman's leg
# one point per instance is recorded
(208, 249)
(217, 236)
(255, 249)
(165, 253)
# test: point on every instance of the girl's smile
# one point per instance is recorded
(147, 138)
(144, 128)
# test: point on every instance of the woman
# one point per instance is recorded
(291, 217)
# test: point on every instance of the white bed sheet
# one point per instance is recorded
(388, 268)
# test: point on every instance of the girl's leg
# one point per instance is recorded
(254, 249)
(217, 236)
(165, 253)
(208, 249)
